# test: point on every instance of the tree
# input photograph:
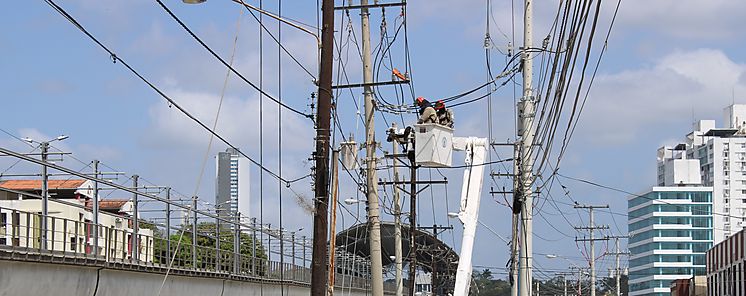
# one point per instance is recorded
(485, 284)
(608, 285)
(181, 250)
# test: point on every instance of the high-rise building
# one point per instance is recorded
(721, 153)
(701, 187)
(232, 184)
(670, 230)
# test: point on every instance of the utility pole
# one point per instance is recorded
(44, 195)
(617, 253)
(397, 221)
(591, 229)
(333, 224)
(374, 223)
(514, 245)
(321, 177)
(412, 226)
(526, 109)
(564, 281)
(580, 278)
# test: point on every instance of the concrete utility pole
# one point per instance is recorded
(412, 227)
(617, 271)
(581, 271)
(591, 229)
(44, 195)
(321, 157)
(526, 109)
(374, 223)
(397, 221)
(564, 281)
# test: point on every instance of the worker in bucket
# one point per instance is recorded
(445, 116)
(427, 112)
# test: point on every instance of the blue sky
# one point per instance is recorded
(668, 62)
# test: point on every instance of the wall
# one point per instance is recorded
(43, 279)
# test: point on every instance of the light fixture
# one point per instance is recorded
(61, 137)
(352, 201)
(551, 256)
(193, 1)
(27, 139)
(452, 215)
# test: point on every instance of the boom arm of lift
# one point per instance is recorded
(468, 214)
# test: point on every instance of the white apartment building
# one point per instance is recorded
(70, 221)
(232, 184)
(721, 153)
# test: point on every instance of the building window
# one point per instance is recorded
(726, 192)
(726, 182)
(73, 244)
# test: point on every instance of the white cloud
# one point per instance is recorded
(688, 19)
(625, 105)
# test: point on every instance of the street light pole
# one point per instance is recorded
(44, 195)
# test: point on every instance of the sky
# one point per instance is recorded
(667, 64)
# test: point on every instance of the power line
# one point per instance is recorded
(214, 54)
(637, 195)
(171, 102)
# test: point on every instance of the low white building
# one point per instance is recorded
(70, 221)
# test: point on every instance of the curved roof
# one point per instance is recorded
(431, 252)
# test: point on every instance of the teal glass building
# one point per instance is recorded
(670, 230)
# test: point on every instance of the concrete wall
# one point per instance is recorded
(44, 279)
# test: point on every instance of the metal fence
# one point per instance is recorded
(21, 234)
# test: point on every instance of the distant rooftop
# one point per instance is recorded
(721, 132)
(107, 205)
(36, 184)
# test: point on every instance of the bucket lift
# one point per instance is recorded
(433, 147)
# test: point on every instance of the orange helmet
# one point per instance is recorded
(420, 100)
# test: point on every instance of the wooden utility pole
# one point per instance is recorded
(321, 177)
(412, 226)
(333, 224)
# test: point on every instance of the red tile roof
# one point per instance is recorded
(107, 205)
(36, 184)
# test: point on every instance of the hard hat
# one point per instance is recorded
(439, 104)
(420, 99)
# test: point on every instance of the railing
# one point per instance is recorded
(21, 236)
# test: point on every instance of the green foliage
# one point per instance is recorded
(485, 284)
(206, 250)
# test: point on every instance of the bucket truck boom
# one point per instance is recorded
(468, 214)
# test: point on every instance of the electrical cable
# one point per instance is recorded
(171, 102)
(214, 54)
